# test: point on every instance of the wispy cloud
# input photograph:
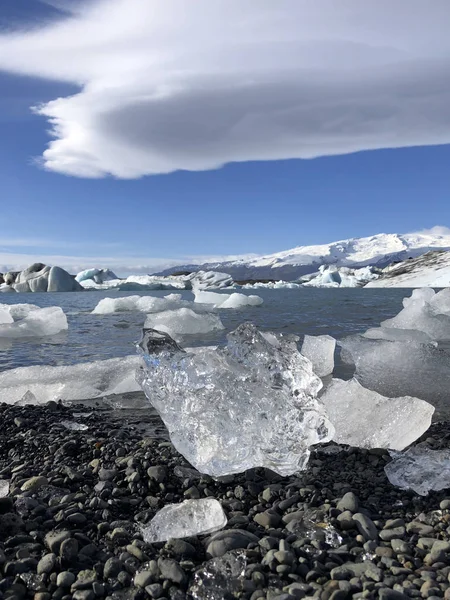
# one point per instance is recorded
(170, 84)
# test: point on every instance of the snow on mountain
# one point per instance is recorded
(428, 270)
(379, 250)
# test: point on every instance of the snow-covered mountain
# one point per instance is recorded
(379, 250)
(428, 270)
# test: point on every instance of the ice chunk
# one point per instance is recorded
(420, 469)
(5, 316)
(191, 517)
(440, 302)
(183, 321)
(38, 323)
(250, 404)
(397, 335)
(4, 488)
(74, 426)
(421, 295)
(202, 280)
(365, 419)
(19, 311)
(234, 300)
(76, 382)
(418, 314)
(319, 349)
(220, 578)
(4, 287)
(146, 304)
(396, 369)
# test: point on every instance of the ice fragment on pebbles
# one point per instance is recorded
(365, 419)
(183, 321)
(74, 426)
(420, 469)
(190, 518)
(319, 350)
(219, 578)
(4, 488)
(249, 404)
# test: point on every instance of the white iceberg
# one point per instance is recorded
(38, 322)
(4, 287)
(183, 321)
(420, 469)
(319, 349)
(272, 285)
(202, 280)
(365, 419)
(234, 300)
(145, 304)
(96, 275)
(188, 519)
(335, 276)
(419, 315)
(82, 381)
(250, 404)
(137, 283)
(5, 316)
(41, 278)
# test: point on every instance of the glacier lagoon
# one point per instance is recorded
(91, 337)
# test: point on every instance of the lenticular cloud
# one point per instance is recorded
(170, 84)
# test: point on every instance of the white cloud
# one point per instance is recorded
(437, 230)
(175, 84)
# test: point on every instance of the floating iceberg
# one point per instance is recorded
(40, 322)
(234, 300)
(75, 382)
(334, 276)
(4, 287)
(190, 518)
(272, 285)
(183, 321)
(135, 283)
(96, 275)
(202, 280)
(145, 304)
(250, 404)
(365, 419)
(319, 349)
(419, 315)
(41, 278)
(420, 469)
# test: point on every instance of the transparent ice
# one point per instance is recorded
(249, 404)
(420, 469)
(190, 518)
(319, 349)
(219, 578)
(4, 488)
(183, 321)
(365, 419)
(74, 426)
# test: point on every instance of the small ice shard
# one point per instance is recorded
(27, 398)
(74, 426)
(365, 419)
(314, 524)
(220, 578)
(5, 317)
(183, 321)
(234, 300)
(319, 349)
(252, 403)
(190, 518)
(420, 469)
(4, 488)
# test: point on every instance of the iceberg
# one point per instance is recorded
(188, 519)
(134, 283)
(272, 285)
(40, 322)
(41, 278)
(234, 300)
(334, 276)
(82, 381)
(419, 315)
(249, 404)
(202, 280)
(183, 321)
(319, 349)
(420, 469)
(96, 275)
(145, 304)
(365, 419)
(4, 287)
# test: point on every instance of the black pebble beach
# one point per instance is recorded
(70, 526)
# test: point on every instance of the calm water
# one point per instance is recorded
(338, 312)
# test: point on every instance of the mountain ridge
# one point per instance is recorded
(377, 250)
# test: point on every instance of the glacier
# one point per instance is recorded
(249, 404)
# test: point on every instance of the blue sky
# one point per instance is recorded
(243, 207)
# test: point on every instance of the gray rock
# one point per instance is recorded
(46, 564)
(112, 568)
(348, 502)
(388, 594)
(267, 519)
(157, 473)
(390, 534)
(34, 483)
(230, 539)
(365, 526)
(54, 539)
(84, 580)
(107, 474)
(143, 578)
(65, 579)
(171, 570)
(155, 590)
(68, 550)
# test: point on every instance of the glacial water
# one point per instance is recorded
(337, 312)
